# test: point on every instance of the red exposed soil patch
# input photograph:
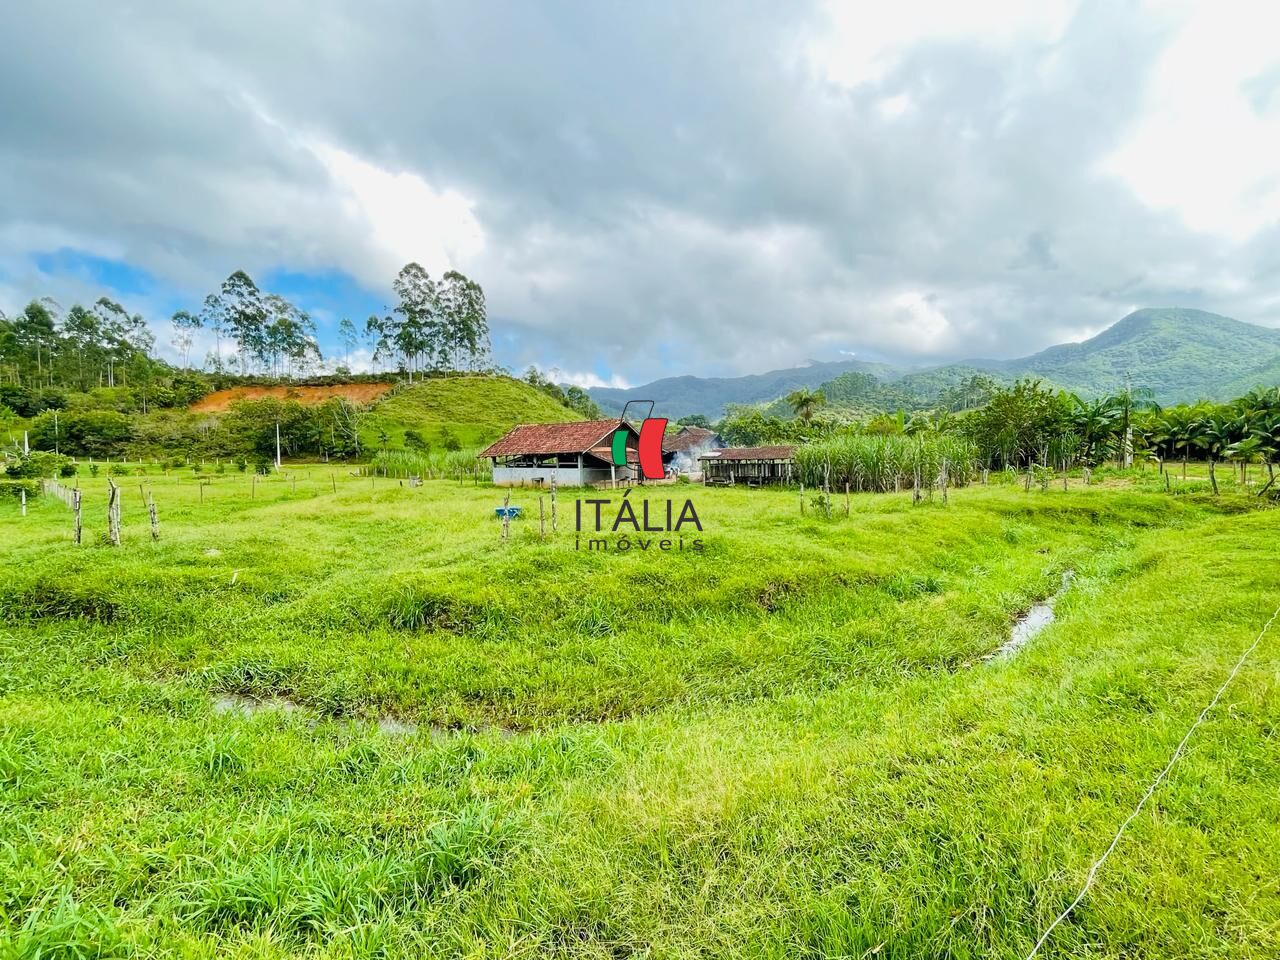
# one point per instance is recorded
(220, 400)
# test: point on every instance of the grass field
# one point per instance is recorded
(475, 410)
(358, 723)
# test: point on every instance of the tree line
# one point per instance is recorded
(435, 325)
(1027, 424)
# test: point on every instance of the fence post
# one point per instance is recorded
(506, 515)
(553, 504)
(542, 519)
(802, 498)
(155, 520)
(75, 506)
(113, 512)
(23, 496)
(846, 498)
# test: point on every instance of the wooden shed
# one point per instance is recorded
(754, 466)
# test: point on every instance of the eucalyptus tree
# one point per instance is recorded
(213, 317)
(350, 338)
(185, 324)
(464, 325)
(245, 316)
(288, 338)
(413, 330)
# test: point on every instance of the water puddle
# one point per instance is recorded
(249, 706)
(240, 705)
(1027, 626)
(394, 727)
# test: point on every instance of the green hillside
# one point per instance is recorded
(1183, 355)
(474, 410)
(854, 394)
(680, 396)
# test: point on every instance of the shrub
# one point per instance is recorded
(38, 463)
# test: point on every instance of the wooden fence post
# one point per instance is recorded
(553, 504)
(333, 478)
(506, 515)
(75, 506)
(802, 498)
(22, 494)
(542, 519)
(113, 513)
(155, 519)
(846, 498)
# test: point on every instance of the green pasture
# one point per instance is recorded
(329, 715)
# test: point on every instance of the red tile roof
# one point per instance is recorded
(535, 438)
(779, 452)
(687, 439)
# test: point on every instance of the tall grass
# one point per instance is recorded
(879, 464)
(446, 464)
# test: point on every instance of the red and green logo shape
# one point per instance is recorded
(648, 446)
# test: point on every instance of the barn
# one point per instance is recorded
(571, 454)
(681, 450)
(754, 466)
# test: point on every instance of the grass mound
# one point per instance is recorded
(472, 410)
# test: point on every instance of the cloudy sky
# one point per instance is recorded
(655, 188)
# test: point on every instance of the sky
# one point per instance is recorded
(654, 189)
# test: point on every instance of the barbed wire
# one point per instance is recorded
(1097, 864)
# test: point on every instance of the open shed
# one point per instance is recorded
(755, 466)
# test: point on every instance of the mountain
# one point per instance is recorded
(680, 396)
(856, 394)
(1182, 355)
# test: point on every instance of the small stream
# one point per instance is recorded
(1027, 626)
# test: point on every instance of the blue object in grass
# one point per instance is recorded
(511, 512)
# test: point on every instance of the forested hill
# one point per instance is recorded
(681, 396)
(1182, 355)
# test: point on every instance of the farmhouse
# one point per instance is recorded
(573, 454)
(754, 466)
(681, 450)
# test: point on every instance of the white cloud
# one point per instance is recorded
(861, 42)
(403, 215)
(1207, 149)
(587, 380)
